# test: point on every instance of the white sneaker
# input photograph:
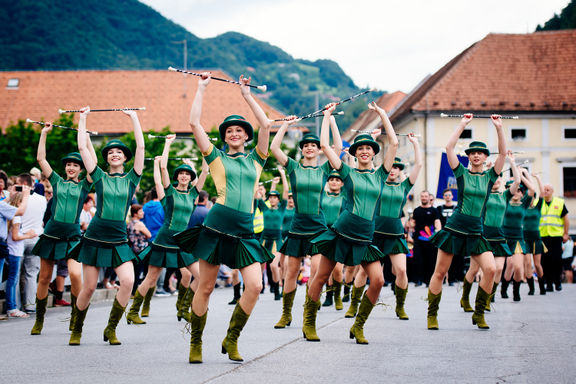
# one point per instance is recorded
(15, 313)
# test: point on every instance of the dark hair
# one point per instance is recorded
(4, 177)
(25, 178)
(153, 193)
(134, 208)
(446, 190)
(89, 199)
(203, 196)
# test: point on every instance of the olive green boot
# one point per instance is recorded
(491, 298)
(465, 300)
(146, 303)
(357, 330)
(181, 293)
(40, 312)
(328, 301)
(478, 317)
(355, 297)
(197, 324)
(433, 304)
(185, 305)
(230, 342)
(400, 300)
(132, 316)
(78, 322)
(73, 310)
(115, 315)
(287, 303)
(337, 289)
(309, 323)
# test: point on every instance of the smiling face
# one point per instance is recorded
(184, 178)
(394, 173)
(274, 200)
(290, 201)
(235, 136)
(116, 157)
(424, 198)
(477, 158)
(72, 170)
(310, 150)
(364, 154)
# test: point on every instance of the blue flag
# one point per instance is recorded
(446, 178)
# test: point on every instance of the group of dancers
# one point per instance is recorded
(343, 213)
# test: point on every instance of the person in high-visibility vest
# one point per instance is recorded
(554, 228)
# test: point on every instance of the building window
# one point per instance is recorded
(466, 134)
(570, 133)
(13, 83)
(518, 133)
(569, 178)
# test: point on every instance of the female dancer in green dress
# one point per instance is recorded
(349, 240)
(179, 204)
(105, 243)
(493, 232)
(332, 206)
(516, 208)
(307, 181)
(62, 232)
(534, 241)
(227, 235)
(463, 231)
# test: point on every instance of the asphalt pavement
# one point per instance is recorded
(532, 341)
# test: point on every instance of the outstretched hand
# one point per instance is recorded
(244, 82)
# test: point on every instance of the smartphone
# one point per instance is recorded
(18, 188)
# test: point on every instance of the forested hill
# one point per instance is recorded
(126, 34)
(566, 19)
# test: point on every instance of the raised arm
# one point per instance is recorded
(540, 185)
(392, 138)
(329, 152)
(282, 172)
(418, 163)
(92, 153)
(336, 138)
(24, 204)
(264, 131)
(200, 135)
(277, 141)
(41, 155)
(515, 172)
(158, 178)
(164, 161)
(275, 182)
(453, 140)
(527, 181)
(203, 175)
(139, 137)
(83, 139)
(501, 159)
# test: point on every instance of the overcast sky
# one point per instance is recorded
(389, 45)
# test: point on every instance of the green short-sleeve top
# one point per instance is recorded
(473, 190)
(332, 206)
(235, 177)
(496, 208)
(68, 198)
(363, 188)
(114, 193)
(307, 184)
(287, 219)
(392, 202)
(272, 217)
(532, 217)
(178, 207)
(514, 217)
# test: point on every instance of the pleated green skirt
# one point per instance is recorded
(303, 228)
(390, 244)
(534, 242)
(495, 237)
(227, 237)
(461, 236)
(57, 240)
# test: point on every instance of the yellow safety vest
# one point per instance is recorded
(551, 223)
(258, 221)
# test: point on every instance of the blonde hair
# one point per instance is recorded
(15, 201)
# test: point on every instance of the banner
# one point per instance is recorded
(446, 178)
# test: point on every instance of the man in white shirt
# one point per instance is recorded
(31, 219)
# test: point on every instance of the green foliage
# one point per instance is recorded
(566, 19)
(126, 34)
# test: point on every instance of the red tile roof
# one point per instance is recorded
(388, 101)
(532, 72)
(167, 97)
